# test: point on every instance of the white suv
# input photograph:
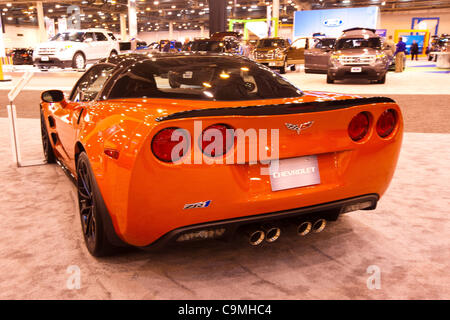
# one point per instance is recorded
(75, 48)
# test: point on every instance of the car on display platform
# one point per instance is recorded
(22, 56)
(317, 57)
(156, 165)
(278, 53)
(75, 48)
(358, 54)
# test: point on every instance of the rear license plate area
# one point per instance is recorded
(294, 173)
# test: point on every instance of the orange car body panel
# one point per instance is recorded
(145, 197)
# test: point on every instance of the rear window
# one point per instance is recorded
(356, 43)
(211, 46)
(208, 78)
(269, 43)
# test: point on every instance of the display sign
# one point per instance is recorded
(408, 40)
(332, 22)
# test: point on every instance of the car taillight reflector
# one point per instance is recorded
(359, 126)
(112, 153)
(386, 123)
(214, 148)
(166, 140)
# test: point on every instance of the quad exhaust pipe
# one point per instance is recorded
(272, 233)
(306, 227)
(319, 225)
(257, 235)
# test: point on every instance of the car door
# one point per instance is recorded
(83, 95)
(89, 46)
(317, 57)
(103, 45)
(296, 52)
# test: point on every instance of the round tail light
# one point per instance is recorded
(386, 123)
(216, 140)
(359, 126)
(170, 144)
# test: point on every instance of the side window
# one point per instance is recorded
(100, 36)
(301, 43)
(318, 45)
(111, 35)
(88, 35)
(91, 83)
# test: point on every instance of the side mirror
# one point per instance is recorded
(53, 96)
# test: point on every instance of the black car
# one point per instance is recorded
(22, 56)
(217, 46)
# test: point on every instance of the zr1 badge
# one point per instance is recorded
(203, 204)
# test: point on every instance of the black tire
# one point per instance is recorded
(46, 144)
(282, 70)
(92, 210)
(76, 61)
(329, 79)
(113, 53)
(382, 80)
(293, 67)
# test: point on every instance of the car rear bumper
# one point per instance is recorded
(226, 229)
(367, 72)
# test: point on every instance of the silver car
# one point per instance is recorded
(358, 53)
(317, 58)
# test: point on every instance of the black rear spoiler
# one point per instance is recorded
(276, 109)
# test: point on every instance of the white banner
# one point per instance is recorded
(50, 27)
(259, 28)
(62, 24)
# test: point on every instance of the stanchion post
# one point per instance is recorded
(12, 116)
(2, 77)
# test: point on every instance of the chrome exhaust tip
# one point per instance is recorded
(256, 237)
(304, 228)
(272, 234)
(319, 225)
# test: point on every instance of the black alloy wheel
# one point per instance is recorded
(89, 202)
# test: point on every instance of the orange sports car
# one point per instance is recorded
(168, 148)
